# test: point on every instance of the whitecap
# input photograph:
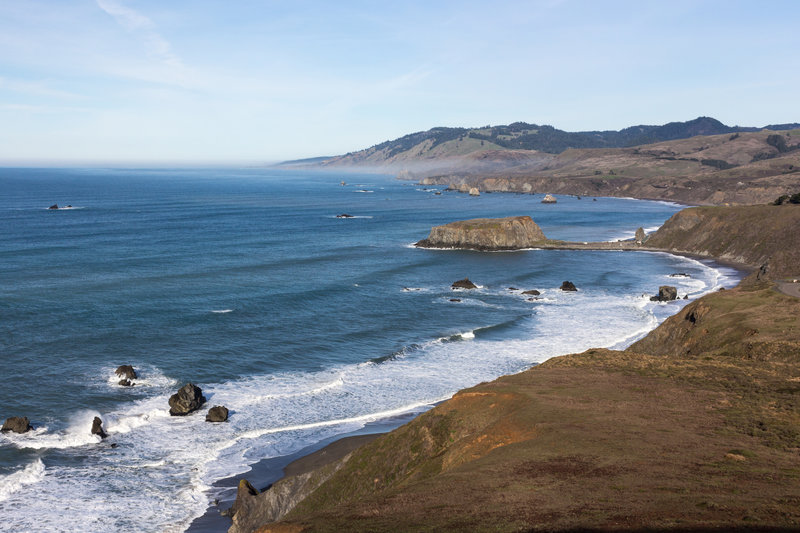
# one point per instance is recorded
(12, 483)
(222, 311)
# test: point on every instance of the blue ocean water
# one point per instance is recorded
(303, 324)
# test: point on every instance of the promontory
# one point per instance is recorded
(510, 233)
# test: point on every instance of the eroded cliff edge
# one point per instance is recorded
(695, 426)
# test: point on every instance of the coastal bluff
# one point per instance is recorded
(486, 234)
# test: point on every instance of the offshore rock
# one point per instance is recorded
(463, 284)
(218, 413)
(54, 206)
(17, 424)
(126, 372)
(640, 236)
(474, 192)
(666, 293)
(533, 292)
(188, 399)
(568, 286)
(97, 428)
(486, 234)
(125, 383)
(549, 199)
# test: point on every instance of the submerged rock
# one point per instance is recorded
(187, 400)
(463, 284)
(97, 428)
(17, 424)
(125, 383)
(218, 413)
(568, 286)
(344, 215)
(486, 234)
(126, 371)
(666, 293)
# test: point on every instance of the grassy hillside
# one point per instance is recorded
(695, 426)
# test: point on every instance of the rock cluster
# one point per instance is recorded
(511, 233)
(127, 373)
(187, 400)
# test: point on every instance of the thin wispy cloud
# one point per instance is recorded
(136, 23)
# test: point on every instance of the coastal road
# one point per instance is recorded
(792, 288)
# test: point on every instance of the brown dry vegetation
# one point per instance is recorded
(695, 427)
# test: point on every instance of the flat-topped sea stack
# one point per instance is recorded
(510, 233)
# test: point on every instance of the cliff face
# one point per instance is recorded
(511, 233)
(751, 235)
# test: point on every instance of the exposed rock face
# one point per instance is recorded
(97, 428)
(511, 233)
(640, 236)
(463, 284)
(666, 293)
(474, 192)
(54, 206)
(126, 372)
(568, 286)
(188, 399)
(549, 199)
(218, 413)
(17, 424)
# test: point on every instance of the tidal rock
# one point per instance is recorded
(568, 286)
(218, 413)
(666, 293)
(126, 371)
(17, 424)
(513, 289)
(125, 383)
(549, 199)
(54, 206)
(640, 236)
(680, 275)
(455, 299)
(97, 428)
(474, 191)
(511, 233)
(188, 399)
(533, 292)
(344, 215)
(463, 284)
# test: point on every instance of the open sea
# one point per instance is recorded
(305, 325)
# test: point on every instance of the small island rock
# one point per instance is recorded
(97, 428)
(486, 234)
(666, 293)
(463, 284)
(568, 286)
(218, 413)
(188, 399)
(344, 215)
(126, 372)
(549, 199)
(54, 207)
(474, 192)
(533, 292)
(17, 424)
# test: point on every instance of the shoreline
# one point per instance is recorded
(265, 472)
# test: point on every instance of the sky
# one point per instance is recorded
(251, 81)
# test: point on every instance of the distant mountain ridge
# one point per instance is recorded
(452, 142)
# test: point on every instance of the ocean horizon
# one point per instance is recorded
(304, 325)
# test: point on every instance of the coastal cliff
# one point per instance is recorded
(697, 425)
(511, 233)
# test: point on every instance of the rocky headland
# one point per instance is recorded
(694, 427)
(486, 234)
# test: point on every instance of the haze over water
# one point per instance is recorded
(303, 324)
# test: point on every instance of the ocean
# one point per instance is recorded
(305, 325)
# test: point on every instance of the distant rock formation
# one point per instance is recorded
(17, 424)
(54, 206)
(97, 428)
(549, 199)
(463, 284)
(344, 215)
(486, 234)
(666, 293)
(568, 286)
(218, 413)
(640, 236)
(473, 191)
(187, 400)
(533, 292)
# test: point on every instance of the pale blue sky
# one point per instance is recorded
(253, 81)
